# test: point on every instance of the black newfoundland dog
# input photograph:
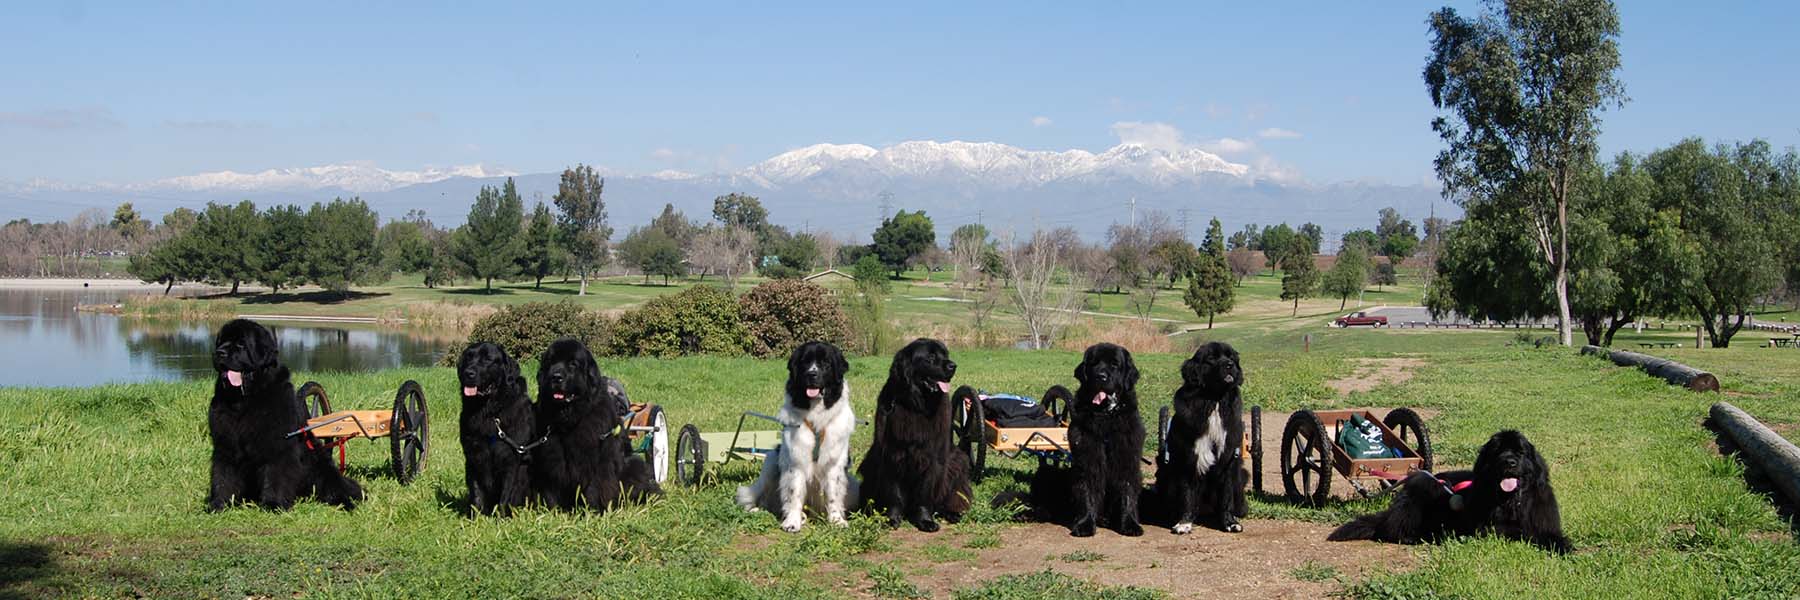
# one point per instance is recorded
(1106, 439)
(253, 410)
(913, 470)
(1507, 493)
(583, 459)
(1201, 470)
(496, 429)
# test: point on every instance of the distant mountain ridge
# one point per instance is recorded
(836, 187)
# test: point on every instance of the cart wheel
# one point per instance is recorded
(1256, 448)
(690, 456)
(1162, 436)
(971, 430)
(1411, 429)
(1056, 402)
(312, 396)
(656, 452)
(409, 431)
(317, 404)
(1306, 459)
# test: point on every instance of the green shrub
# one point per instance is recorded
(779, 271)
(783, 314)
(699, 320)
(525, 330)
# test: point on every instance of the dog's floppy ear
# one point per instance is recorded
(840, 365)
(1131, 370)
(1190, 371)
(1542, 469)
(265, 352)
(901, 371)
(1081, 374)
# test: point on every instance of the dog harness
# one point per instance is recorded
(1456, 499)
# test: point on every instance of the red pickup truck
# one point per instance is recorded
(1361, 318)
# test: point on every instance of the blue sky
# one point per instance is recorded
(134, 91)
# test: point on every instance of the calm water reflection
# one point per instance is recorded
(45, 342)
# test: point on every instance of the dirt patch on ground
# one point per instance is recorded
(1261, 562)
(1369, 373)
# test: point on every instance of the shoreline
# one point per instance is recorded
(73, 283)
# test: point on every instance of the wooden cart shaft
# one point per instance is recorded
(353, 423)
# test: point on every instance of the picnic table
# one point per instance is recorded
(1793, 342)
(1660, 344)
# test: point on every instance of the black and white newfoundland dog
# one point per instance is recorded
(583, 459)
(913, 470)
(1507, 493)
(253, 411)
(1201, 471)
(1106, 439)
(496, 429)
(810, 469)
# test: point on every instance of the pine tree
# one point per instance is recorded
(1300, 278)
(488, 244)
(539, 258)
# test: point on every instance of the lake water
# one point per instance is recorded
(45, 342)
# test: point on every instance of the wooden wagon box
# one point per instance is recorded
(1365, 468)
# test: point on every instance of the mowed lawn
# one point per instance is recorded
(102, 487)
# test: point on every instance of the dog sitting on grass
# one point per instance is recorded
(253, 410)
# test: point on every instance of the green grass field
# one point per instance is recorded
(102, 489)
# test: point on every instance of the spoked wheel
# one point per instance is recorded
(656, 445)
(312, 396)
(317, 404)
(690, 456)
(968, 419)
(1305, 459)
(1162, 436)
(409, 432)
(1056, 402)
(1411, 429)
(1256, 448)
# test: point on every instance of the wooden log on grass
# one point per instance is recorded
(1776, 457)
(1670, 371)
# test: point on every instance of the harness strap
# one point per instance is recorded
(522, 449)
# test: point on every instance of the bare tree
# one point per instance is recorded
(828, 244)
(724, 251)
(1045, 305)
(1244, 263)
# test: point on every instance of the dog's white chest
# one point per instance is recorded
(1210, 444)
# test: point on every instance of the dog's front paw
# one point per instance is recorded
(1233, 527)
(926, 525)
(792, 524)
(837, 518)
(1083, 528)
(1184, 528)
(1131, 529)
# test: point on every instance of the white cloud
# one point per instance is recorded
(1040, 121)
(662, 154)
(1155, 136)
(1277, 133)
(1228, 146)
(1168, 138)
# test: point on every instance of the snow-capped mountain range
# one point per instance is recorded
(832, 186)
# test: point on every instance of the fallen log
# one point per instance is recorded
(1761, 448)
(1670, 371)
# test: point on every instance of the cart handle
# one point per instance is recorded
(740, 429)
(312, 426)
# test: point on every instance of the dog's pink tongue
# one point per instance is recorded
(944, 386)
(234, 378)
(1509, 484)
(812, 392)
(470, 390)
(1099, 397)
(557, 395)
